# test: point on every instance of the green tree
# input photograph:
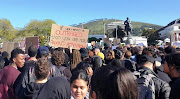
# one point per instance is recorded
(7, 31)
(93, 39)
(120, 33)
(38, 28)
(152, 35)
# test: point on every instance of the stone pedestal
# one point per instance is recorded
(129, 40)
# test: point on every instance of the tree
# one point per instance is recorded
(38, 28)
(93, 39)
(7, 31)
(120, 32)
(152, 35)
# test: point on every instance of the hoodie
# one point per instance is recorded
(32, 90)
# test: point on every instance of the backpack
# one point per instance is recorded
(146, 85)
(61, 69)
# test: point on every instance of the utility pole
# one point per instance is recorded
(82, 25)
(104, 27)
(116, 31)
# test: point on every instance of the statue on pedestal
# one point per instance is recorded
(128, 27)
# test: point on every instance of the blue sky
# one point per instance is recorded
(68, 12)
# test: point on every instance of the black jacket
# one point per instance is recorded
(28, 76)
(32, 90)
(161, 74)
(175, 88)
(55, 88)
(162, 88)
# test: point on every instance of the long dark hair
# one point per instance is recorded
(110, 83)
(80, 74)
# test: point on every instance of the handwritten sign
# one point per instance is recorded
(64, 36)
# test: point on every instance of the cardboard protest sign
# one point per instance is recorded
(9, 46)
(31, 41)
(64, 36)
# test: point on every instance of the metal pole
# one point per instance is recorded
(116, 31)
(104, 29)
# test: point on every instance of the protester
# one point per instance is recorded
(76, 59)
(169, 50)
(9, 74)
(57, 59)
(110, 83)
(84, 66)
(42, 71)
(162, 88)
(55, 88)
(80, 85)
(96, 51)
(172, 68)
(101, 55)
(84, 55)
(129, 64)
(28, 76)
(107, 47)
(109, 56)
(5, 56)
(2, 62)
(158, 69)
(32, 52)
(136, 53)
(96, 62)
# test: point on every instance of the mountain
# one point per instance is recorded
(96, 26)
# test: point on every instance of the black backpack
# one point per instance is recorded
(146, 85)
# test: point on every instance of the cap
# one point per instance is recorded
(43, 50)
(146, 58)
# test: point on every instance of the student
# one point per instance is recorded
(147, 65)
(9, 74)
(55, 88)
(84, 66)
(42, 71)
(172, 67)
(110, 83)
(79, 85)
(28, 76)
(32, 52)
(5, 56)
(76, 59)
(57, 59)
(2, 62)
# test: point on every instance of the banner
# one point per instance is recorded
(64, 36)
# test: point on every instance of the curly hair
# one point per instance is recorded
(57, 58)
(42, 68)
(76, 59)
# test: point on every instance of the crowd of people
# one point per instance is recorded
(97, 73)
